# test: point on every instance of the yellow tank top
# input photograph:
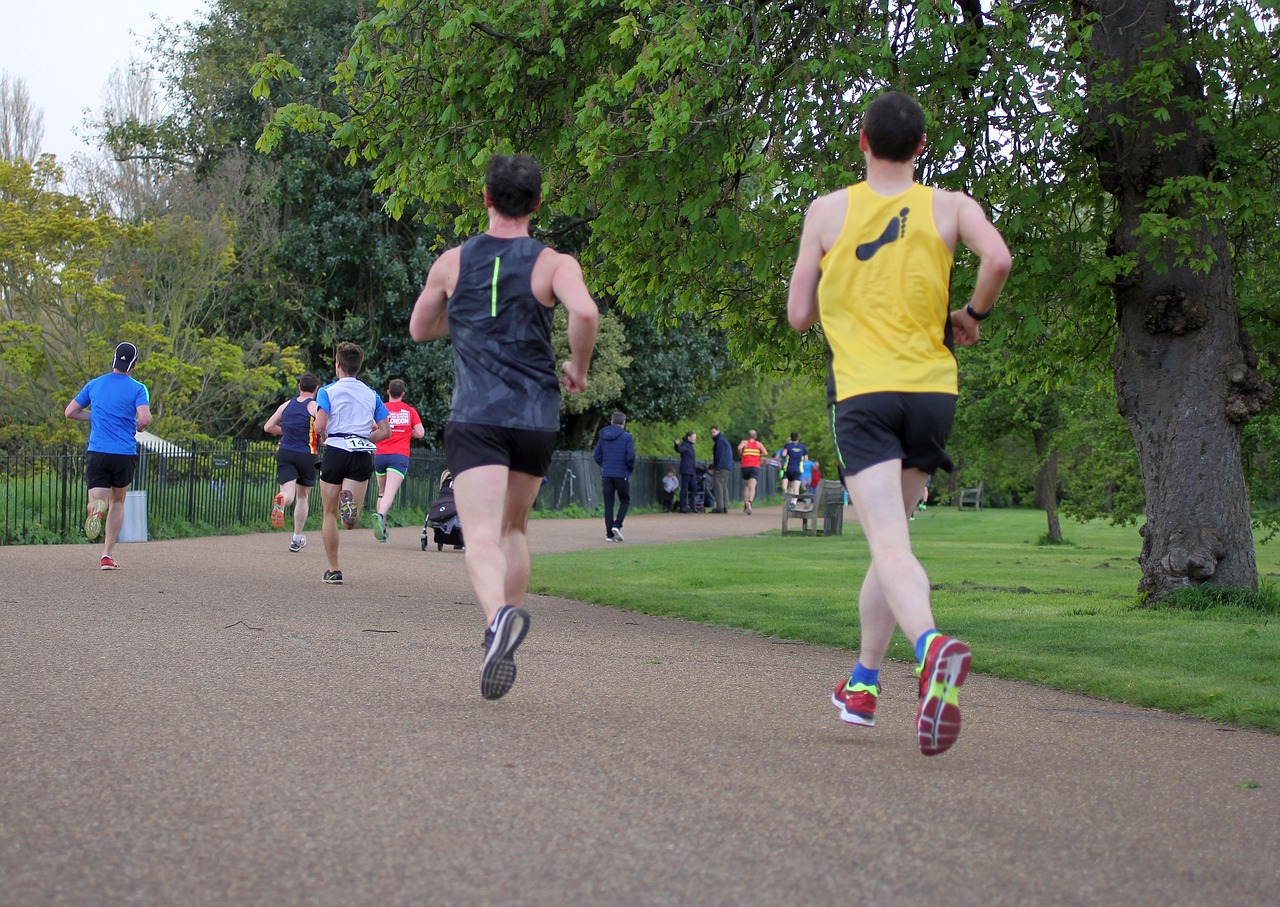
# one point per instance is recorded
(884, 298)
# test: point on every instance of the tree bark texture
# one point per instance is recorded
(1185, 375)
(1047, 483)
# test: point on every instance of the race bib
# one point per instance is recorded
(360, 445)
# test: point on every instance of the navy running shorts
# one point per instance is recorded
(295, 466)
(393, 462)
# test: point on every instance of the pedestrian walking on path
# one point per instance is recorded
(615, 454)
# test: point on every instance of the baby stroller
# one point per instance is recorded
(442, 517)
(704, 497)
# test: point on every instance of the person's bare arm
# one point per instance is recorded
(381, 430)
(321, 424)
(75, 411)
(272, 427)
(569, 288)
(802, 296)
(143, 416)
(430, 317)
(980, 237)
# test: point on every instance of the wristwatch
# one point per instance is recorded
(975, 314)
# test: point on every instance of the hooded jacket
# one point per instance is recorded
(615, 452)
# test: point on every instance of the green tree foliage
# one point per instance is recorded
(690, 137)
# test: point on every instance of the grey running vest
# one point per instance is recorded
(502, 358)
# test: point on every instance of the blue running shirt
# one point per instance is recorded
(113, 400)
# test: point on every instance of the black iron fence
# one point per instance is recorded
(207, 490)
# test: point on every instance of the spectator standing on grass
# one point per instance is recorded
(688, 469)
(874, 266)
(615, 454)
(117, 407)
(391, 460)
(721, 467)
(495, 295)
(294, 421)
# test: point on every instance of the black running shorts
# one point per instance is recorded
(470, 444)
(105, 470)
(875, 428)
(339, 464)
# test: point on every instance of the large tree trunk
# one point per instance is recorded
(1184, 373)
(1047, 483)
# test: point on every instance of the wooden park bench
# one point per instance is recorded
(825, 505)
(971, 497)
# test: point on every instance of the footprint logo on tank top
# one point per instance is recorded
(896, 229)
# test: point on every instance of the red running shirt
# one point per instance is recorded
(402, 418)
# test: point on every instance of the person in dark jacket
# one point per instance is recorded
(615, 454)
(721, 468)
(688, 470)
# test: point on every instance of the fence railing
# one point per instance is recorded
(217, 488)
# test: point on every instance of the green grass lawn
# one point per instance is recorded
(1064, 616)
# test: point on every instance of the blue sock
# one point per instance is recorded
(864, 675)
(922, 644)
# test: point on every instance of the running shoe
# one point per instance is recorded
(498, 672)
(333, 577)
(93, 522)
(380, 530)
(748, 510)
(347, 509)
(617, 534)
(856, 702)
(108, 563)
(946, 665)
(277, 512)
(299, 542)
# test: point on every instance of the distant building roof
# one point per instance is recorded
(157, 444)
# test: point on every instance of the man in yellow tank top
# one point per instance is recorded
(874, 266)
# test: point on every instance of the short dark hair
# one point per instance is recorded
(396, 388)
(894, 125)
(514, 182)
(350, 356)
(618, 418)
(795, 436)
(308, 382)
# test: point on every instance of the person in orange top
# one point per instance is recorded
(751, 452)
(874, 266)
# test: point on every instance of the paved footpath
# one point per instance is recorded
(213, 726)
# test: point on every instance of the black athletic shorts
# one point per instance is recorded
(470, 444)
(295, 466)
(875, 428)
(104, 470)
(750, 472)
(339, 464)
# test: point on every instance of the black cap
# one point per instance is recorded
(126, 356)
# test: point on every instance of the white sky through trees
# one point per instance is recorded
(65, 53)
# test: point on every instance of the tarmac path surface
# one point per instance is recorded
(212, 725)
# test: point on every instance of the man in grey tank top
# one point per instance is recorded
(494, 296)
